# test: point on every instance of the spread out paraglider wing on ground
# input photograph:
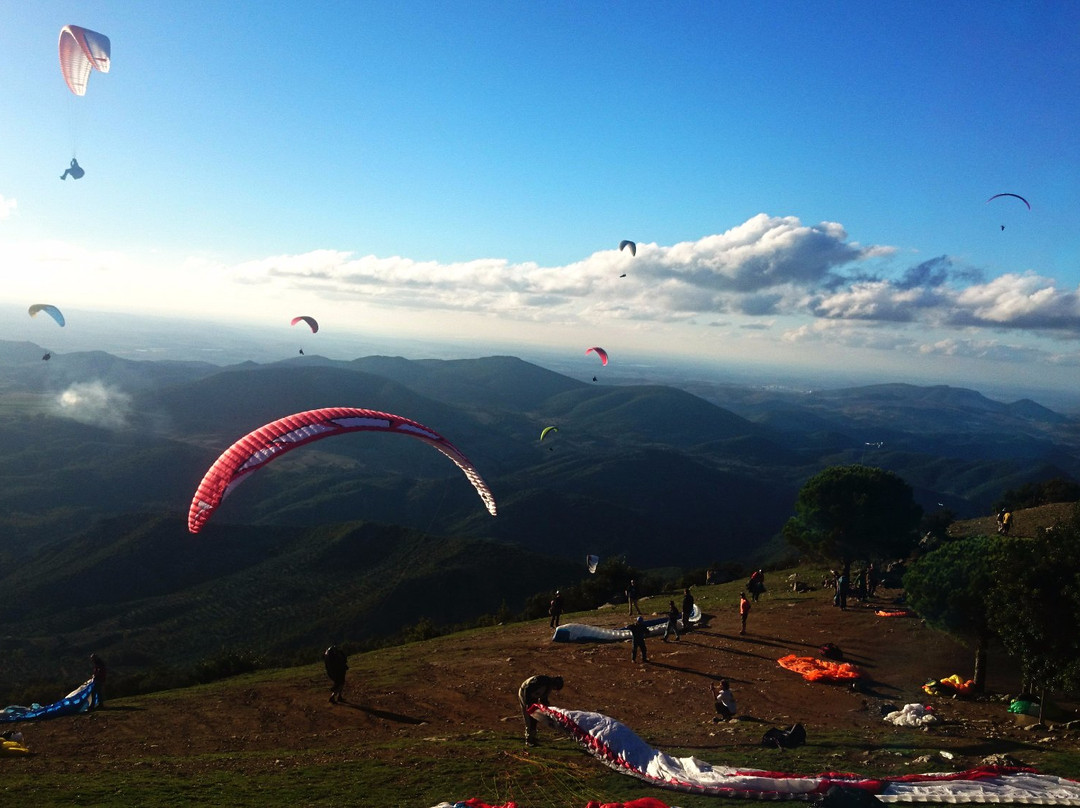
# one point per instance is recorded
(627, 243)
(81, 52)
(599, 352)
(820, 670)
(580, 632)
(50, 310)
(312, 324)
(618, 746)
(259, 447)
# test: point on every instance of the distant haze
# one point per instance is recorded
(223, 343)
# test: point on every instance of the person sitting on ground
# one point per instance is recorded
(723, 699)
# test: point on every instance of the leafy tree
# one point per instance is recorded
(949, 588)
(1031, 495)
(851, 512)
(935, 524)
(1036, 603)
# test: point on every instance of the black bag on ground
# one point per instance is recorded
(831, 651)
(784, 738)
(841, 797)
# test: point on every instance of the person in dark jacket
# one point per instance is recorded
(555, 609)
(337, 663)
(687, 609)
(672, 626)
(100, 675)
(536, 690)
(638, 630)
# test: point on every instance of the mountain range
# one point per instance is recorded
(356, 535)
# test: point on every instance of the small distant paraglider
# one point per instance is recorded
(545, 432)
(82, 51)
(46, 357)
(627, 243)
(1015, 196)
(311, 323)
(599, 352)
(591, 561)
(50, 310)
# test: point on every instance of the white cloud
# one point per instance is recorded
(7, 206)
(768, 276)
(93, 403)
(1025, 301)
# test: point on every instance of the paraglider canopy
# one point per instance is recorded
(627, 243)
(49, 309)
(1016, 196)
(272, 440)
(305, 319)
(81, 52)
(546, 430)
(599, 352)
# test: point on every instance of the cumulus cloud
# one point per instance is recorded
(93, 403)
(761, 267)
(1017, 301)
(766, 267)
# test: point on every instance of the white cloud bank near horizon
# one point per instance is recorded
(769, 278)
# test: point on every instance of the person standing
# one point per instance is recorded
(337, 663)
(687, 609)
(672, 621)
(536, 690)
(744, 611)
(100, 674)
(555, 609)
(632, 598)
(638, 631)
(756, 584)
(723, 700)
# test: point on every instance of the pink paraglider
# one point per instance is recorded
(303, 318)
(599, 352)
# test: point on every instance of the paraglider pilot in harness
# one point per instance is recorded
(75, 170)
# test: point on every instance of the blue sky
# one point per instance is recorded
(806, 183)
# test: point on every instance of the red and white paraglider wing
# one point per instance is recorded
(259, 447)
(81, 52)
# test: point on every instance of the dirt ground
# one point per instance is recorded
(461, 684)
